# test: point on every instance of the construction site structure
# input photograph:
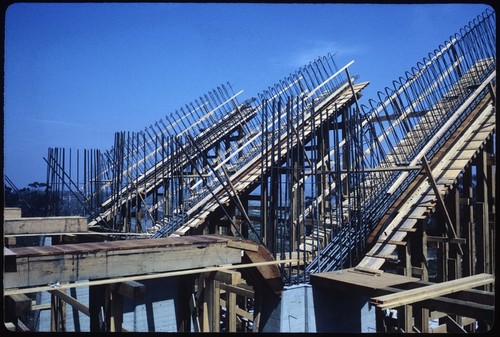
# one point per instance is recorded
(300, 202)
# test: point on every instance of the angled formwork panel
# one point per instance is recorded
(143, 176)
(415, 120)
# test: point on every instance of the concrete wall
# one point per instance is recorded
(156, 311)
(294, 312)
(303, 308)
(343, 312)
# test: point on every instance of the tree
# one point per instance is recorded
(33, 200)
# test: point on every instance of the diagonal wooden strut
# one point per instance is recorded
(440, 201)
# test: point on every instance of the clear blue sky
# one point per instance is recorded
(77, 73)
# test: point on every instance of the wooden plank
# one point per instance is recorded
(9, 241)
(372, 262)
(36, 225)
(440, 306)
(417, 217)
(93, 247)
(130, 289)
(393, 242)
(382, 256)
(231, 312)
(12, 291)
(360, 279)
(396, 236)
(407, 224)
(366, 270)
(40, 306)
(11, 213)
(238, 290)
(408, 230)
(461, 241)
(382, 249)
(10, 326)
(214, 293)
(228, 276)
(22, 327)
(459, 164)
(431, 291)
(244, 245)
(66, 263)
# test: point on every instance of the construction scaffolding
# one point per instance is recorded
(302, 168)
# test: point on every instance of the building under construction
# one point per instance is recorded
(301, 209)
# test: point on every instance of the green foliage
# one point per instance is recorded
(33, 200)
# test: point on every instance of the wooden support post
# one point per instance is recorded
(491, 201)
(212, 293)
(405, 318)
(215, 321)
(114, 312)
(484, 256)
(231, 312)
(419, 319)
(454, 267)
(469, 258)
(231, 278)
(422, 314)
(203, 297)
(16, 306)
(76, 314)
(96, 301)
(454, 202)
(405, 313)
(57, 314)
(297, 197)
(264, 209)
(492, 91)
(441, 256)
(408, 266)
(182, 308)
(273, 211)
(257, 309)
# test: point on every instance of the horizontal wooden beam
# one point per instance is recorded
(104, 235)
(36, 225)
(446, 305)
(17, 304)
(227, 276)
(142, 277)
(428, 292)
(11, 212)
(238, 290)
(44, 265)
(446, 239)
(245, 245)
(130, 289)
